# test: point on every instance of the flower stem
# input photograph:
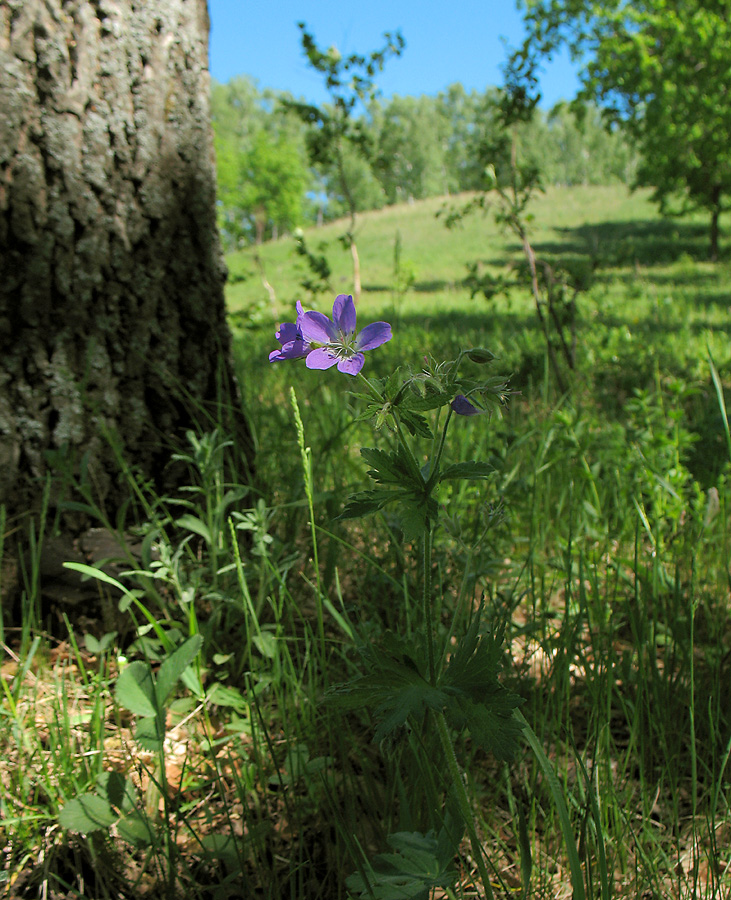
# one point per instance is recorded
(426, 600)
(434, 469)
(376, 393)
(464, 804)
(397, 422)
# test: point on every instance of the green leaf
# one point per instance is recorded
(150, 733)
(408, 873)
(222, 695)
(415, 512)
(136, 829)
(87, 813)
(490, 722)
(117, 790)
(194, 524)
(430, 400)
(394, 688)
(416, 424)
(476, 699)
(96, 646)
(467, 470)
(173, 667)
(135, 689)
(93, 572)
(388, 467)
(112, 796)
(365, 503)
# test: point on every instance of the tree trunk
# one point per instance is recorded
(112, 319)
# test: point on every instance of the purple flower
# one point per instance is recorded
(336, 341)
(462, 406)
(290, 337)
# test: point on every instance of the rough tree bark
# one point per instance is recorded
(111, 275)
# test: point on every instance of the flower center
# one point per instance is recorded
(344, 348)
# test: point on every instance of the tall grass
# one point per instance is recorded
(600, 545)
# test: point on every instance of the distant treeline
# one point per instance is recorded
(409, 148)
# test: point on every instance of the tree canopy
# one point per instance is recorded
(662, 69)
(417, 147)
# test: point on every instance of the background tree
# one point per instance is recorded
(572, 147)
(471, 125)
(662, 69)
(262, 169)
(113, 334)
(349, 81)
(410, 138)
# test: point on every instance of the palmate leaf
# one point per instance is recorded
(476, 699)
(467, 470)
(490, 722)
(394, 687)
(427, 401)
(366, 502)
(393, 467)
(410, 872)
(416, 424)
(415, 512)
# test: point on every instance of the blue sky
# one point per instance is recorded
(445, 42)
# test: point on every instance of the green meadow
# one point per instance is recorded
(595, 550)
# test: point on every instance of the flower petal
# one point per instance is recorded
(373, 336)
(352, 365)
(321, 358)
(288, 331)
(344, 313)
(462, 406)
(317, 328)
(291, 350)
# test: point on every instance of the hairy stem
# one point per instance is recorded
(426, 600)
(457, 780)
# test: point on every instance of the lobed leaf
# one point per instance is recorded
(476, 699)
(394, 687)
(467, 470)
(411, 872)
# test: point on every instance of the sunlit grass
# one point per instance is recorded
(600, 545)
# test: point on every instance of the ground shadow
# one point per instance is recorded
(628, 243)
(644, 243)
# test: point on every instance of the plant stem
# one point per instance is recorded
(434, 468)
(306, 456)
(463, 801)
(426, 600)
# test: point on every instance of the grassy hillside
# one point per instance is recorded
(609, 223)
